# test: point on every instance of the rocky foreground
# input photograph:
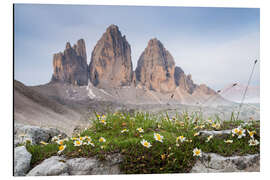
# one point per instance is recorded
(61, 165)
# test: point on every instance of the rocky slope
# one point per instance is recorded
(155, 68)
(71, 65)
(111, 64)
(33, 107)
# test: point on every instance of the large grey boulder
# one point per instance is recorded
(22, 159)
(211, 162)
(34, 133)
(82, 166)
(54, 166)
(93, 166)
(78, 166)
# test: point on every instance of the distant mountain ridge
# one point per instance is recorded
(111, 67)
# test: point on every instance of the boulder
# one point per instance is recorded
(34, 133)
(54, 166)
(87, 166)
(211, 162)
(22, 159)
(71, 65)
(111, 64)
(82, 166)
(155, 69)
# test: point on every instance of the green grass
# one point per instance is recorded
(139, 159)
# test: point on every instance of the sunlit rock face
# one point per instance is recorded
(156, 67)
(111, 64)
(70, 66)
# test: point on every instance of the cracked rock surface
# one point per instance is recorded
(212, 163)
(59, 166)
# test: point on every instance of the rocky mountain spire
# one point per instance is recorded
(111, 64)
(71, 65)
(155, 69)
(184, 81)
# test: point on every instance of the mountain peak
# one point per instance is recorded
(111, 64)
(71, 66)
(112, 27)
(155, 68)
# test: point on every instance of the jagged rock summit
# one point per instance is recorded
(111, 64)
(71, 65)
(155, 68)
(111, 68)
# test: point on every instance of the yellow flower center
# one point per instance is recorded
(145, 143)
(240, 132)
(78, 142)
(158, 137)
(197, 152)
(251, 133)
(61, 148)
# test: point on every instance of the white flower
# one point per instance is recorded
(102, 121)
(240, 132)
(90, 143)
(145, 143)
(181, 138)
(60, 142)
(209, 138)
(102, 139)
(87, 138)
(81, 138)
(77, 143)
(158, 137)
(140, 130)
(253, 142)
(235, 131)
(251, 133)
(61, 149)
(54, 139)
(197, 134)
(197, 152)
(228, 141)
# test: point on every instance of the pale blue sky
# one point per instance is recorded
(216, 45)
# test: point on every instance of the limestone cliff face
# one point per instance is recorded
(156, 67)
(111, 64)
(71, 65)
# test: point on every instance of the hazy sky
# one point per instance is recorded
(216, 45)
